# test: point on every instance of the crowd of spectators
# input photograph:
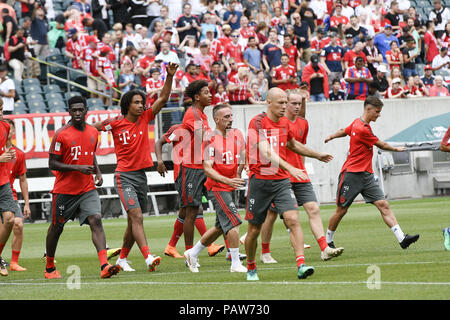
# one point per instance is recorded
(337, 49)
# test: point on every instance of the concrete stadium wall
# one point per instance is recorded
(327, 117)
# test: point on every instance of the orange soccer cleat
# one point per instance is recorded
(172, 252)
(52, 275)
(109, 271)
(14, 266)
(214, 249)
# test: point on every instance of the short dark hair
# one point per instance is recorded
(77, 99)
(219, 107)
(359, 59)
(5, 10)
(285, 55)
(126, 99)
(195, 87)
(335, 80)
(373, 101)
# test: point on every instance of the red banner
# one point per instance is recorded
(34, 132)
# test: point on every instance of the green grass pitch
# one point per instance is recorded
(420, 272)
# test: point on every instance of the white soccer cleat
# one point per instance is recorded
(329, 253)
(267, 258)
(124, 265)
(306, 246)
(152, 262)
(191, 262)
(238, 268)
(242, 239)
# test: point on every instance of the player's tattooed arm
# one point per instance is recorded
(55, 163)
(339, 134)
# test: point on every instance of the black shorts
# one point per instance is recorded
(7, 202)
(262, 193)
(351, 184)
(304, 193)
(227, 215)
(190, 185)
(67, 207)
(132, 188)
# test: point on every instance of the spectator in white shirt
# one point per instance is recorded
(166, 55)
(320, 8)
(7, 91)
(441, 61)
(440, 15)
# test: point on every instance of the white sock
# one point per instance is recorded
(235, 256)
(398, 233)
(330, 236)
(197, 249)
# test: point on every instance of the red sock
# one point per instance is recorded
(227, 244)
(145, 251)
(265, 247)
(200, 225)
(15, 256)
(2, 245)
(124, 253)
(251, 264)
(177, 232)
(102, 257)
(50, 262)
(300, 260)
(189, 247)
(322, 241)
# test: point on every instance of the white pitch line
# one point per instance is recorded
(233, 283)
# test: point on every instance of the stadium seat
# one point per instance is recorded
(30, 82)
(32, 89)
(71, 94)
(56, 58)
(19, 90)
(94, 102)
(20, 106)
(53, 95)
(56, 105)
(54, 88)
(34, 97)
(37, 107)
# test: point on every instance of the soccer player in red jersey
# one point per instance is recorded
(357, 175)
(269, 137)
(303, 189)
(175, 135)
(132, 147)
(285, 76)
(17, 168)
(72, 157)
(445, 147)
(224, 160)
(7, 203)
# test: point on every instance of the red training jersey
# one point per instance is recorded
(131, 141)
(300, 129)
(194, 120)
(362, 140)
(283, 73)
(17, 167)
(446, 139)
(4, 133)
(174, 136)
(75, 148)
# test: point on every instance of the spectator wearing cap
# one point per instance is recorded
(438, 89)
(349, 43)
(351, 55)
(409, 57)
(430, 43)
(383, 41)
(316, 76)
(332, 58)
(380, 81)
(338, 19)
(106, 72)
(7, 90)
(97, 25)
(374, 58)
(440, 15)
(358, 78)
(272, 52)
(395, 91)
(166, 54)
(441, 61)
(303, 31)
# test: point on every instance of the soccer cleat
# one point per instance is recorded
(304, 271)
(111, 253)
(214, 249)
(242, 239)
(242, 256)
(238, 268)
(306, 246)
(331, 245)
(252, 275)
(109, 271)
(152, 262)
(329, 253)
(172, 252)
(15, 267)
(190, 261)
(3, 269)
(446, 233)
(407, 240)
(267, 258)
(52, 275)
(124, 265)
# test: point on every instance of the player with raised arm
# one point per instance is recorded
(132, 147)
(357, 175)
(7, 203)
(17, 168)
(269, 136)
(72, 159)
(224, 160)
(191, 179)
(303, 189)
